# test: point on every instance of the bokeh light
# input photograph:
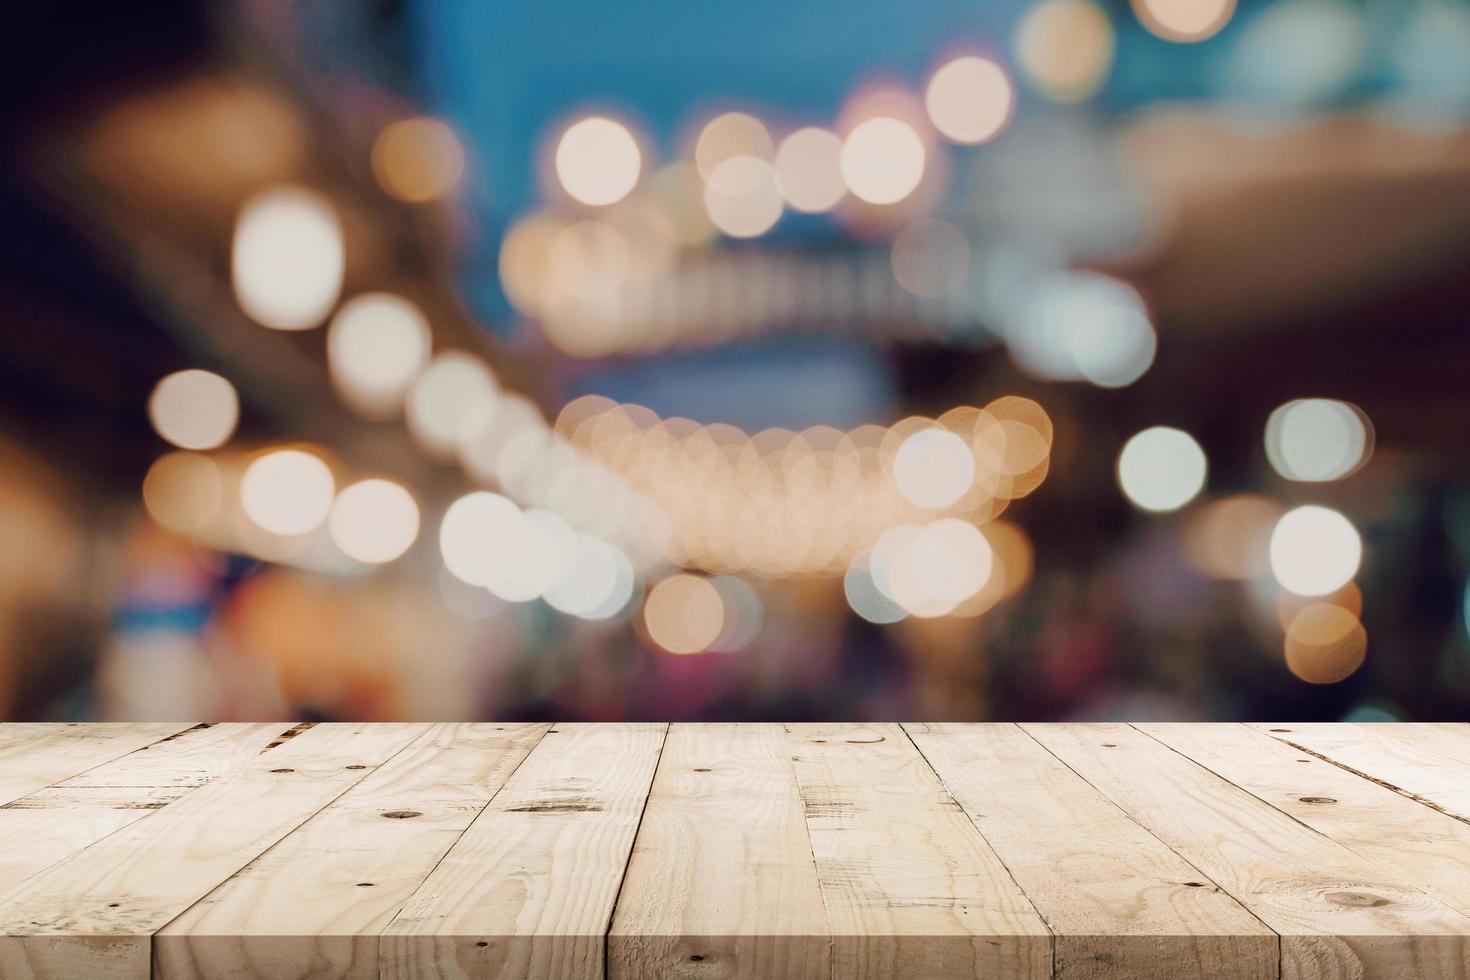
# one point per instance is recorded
(1315, 550)
(731, 135)
(970, 100)
(374, 521)
(1184, 21)
(288, 259)
(1065, 48)
(287, 491)
(194, 409)
(418, 160)
(864, 596)
(933, 468)
(809, 168)
(598, 161)
(448, 398)
(931, 258)
(1082, 326)
(930, 569)
(1161, 469)
(882, 160)
(684, 614)
(377, 344)
(1295, 54)
(478, 532)
(184, 491)
(1289, 604)
(744, 614)
(1317, 439)
(590, 582)
(1325, 643)
(1230, 538)
(743, 198)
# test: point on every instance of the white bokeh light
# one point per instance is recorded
(1316, 439)
(808, 164)
(287, 492)
(374, 521)
(1161, 469)
(448, 400)
(970, 99)
(377, 344)
(598, 161)
(194, 409)
(591, 581)
(477, 532)
(933, 468)
(864, 596)
(1082, 326)
(743, 198)
(288, 258)
(882, 160)
(939, 566)
(1315, 550)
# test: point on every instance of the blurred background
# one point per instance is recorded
(1069, 359)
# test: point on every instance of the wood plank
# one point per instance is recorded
(314, 904)
(911, 888)
(37, 759)
(1338, 915)
(17, 732)
(529, 889)
(1428, 847)
(1121, 903)
(1422, 775)
(40, 829)
(724, 832)
(1450, 739)
(95, 912)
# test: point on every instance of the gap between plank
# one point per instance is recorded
(812, 850)
(202, 726)
(1233, 897)
(153, 936)
(1336, 843)
(1406, 794)
(612, 912)
(903, 727)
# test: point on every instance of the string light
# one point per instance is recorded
(194, 409)
(882, 160)
(1315, 550)
(418, 160)
(287, 492)
(1161, 469)
(970, 100)
(598, 161)
(288, 258)
(374, 521)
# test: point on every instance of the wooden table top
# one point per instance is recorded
(745, 850)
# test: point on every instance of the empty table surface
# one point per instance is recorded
(734, 850)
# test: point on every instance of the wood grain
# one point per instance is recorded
(719, 852)
(910, 887)
(1338, 915)
(528, 890)
(36, 757)
(43, 827)
(1429, 776)
(1449, 739)
(314, 904)
(1121, 903)
(724, 831)
(94, 913)
(1426, 846)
